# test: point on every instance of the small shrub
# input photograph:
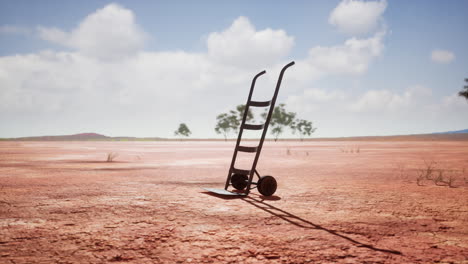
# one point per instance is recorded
(449, 180)
(428, 169)
(440, 176)
(111, 156)
(426, 172)
(351, 149)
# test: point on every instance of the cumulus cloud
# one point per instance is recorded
(107, 73)
(313, 100)
(108, 82)
(54, 35)
(108, 33)
(352, 57)
(371, 101)
(356, 17)
(242, 45)
(385, 100)
(11, 29)
(455, 101)
(314, 95)
(414, 110)
(442, 56)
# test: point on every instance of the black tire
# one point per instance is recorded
(239, 181)
(267, 185)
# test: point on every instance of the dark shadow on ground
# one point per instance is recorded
(121, 169)
(294, 219)
(200, 184)
(89, 161)
(300, 222)
(267, 198)
(228, 197)
(225, 197)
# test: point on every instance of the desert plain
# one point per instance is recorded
(337, 202)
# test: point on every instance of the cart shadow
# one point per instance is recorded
(301, 222)
(294, 219)
(231, 197)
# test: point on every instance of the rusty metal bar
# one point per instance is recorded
(241, 129)
(267, 123)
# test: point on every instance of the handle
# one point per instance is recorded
(259, 74)
(288, 65)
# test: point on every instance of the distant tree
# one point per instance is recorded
(303, 127)
(182, 131)
(227, 123)
(240, 111)
(279, 120)
(464, 92)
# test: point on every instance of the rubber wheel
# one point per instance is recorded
(267, 185)
(239, 181)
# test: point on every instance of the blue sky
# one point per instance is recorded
(139, 68)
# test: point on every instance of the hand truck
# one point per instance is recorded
(241, 180)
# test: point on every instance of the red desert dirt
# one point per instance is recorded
(337, 202)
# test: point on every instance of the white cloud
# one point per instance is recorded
(385, 100)
(371, 101)
(442, 56)
(315, 95)
(10, 29)
(242, 45)
(109, 33)
(108, 73)
(376, 99)
(352, 57)
(455, 101)
(315, 100)
(108, 83)
(374, 112)
(54, 35)
(356, 17)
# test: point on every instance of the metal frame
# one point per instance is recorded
(250, 173)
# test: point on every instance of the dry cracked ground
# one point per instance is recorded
(337, 202)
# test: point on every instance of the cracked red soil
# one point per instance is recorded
(60, 202)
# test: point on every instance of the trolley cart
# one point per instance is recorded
(240, 179)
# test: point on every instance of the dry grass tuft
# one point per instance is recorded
(352, 149)
(448, 177)
(438, 175)
(111, 156)
(426, 172)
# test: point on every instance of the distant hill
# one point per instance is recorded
(454, 132)
(448, 136)
(81, 137)
(416, 137)
(441, 136)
